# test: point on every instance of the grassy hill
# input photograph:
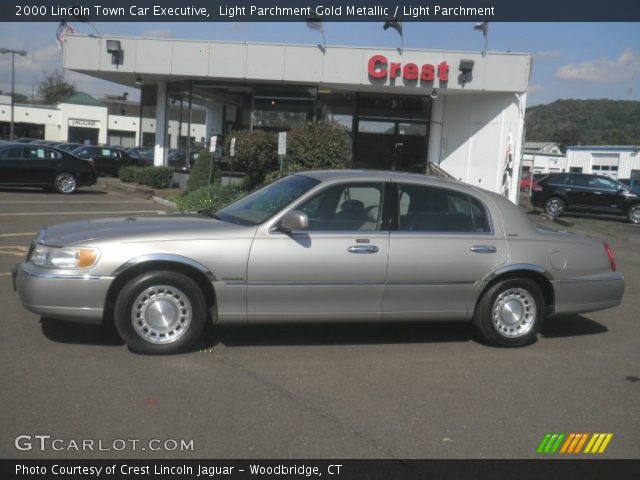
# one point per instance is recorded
(586, 122)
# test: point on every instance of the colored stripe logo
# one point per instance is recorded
(573, 443)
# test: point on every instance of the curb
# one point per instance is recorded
(136, 189)
(162, 201)
(560, 221)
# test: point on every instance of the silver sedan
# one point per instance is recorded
(325, 246)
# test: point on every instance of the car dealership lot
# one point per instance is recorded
(365, 391)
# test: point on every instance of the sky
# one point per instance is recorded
(570, 60)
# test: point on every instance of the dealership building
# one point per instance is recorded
(612, 161)
(461, 111)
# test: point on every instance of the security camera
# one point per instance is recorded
(434, 93)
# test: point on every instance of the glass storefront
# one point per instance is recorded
(388, 132)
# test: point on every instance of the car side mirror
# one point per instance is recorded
(293, 221)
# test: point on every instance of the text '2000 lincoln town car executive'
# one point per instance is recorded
(320, 246)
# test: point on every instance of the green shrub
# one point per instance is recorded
(129, 174)
(155, 177)
(256, 154)
(210, 197)
(199, 176)
(317, 146)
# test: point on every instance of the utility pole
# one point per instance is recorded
(22, 53)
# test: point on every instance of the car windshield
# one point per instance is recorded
(266, 202)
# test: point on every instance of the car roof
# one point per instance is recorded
(375, 175)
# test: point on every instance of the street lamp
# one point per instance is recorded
(22, 53)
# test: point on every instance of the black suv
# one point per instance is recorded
(561, 192)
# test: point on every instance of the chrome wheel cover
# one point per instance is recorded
(554, 206)
(161, 314)
(634, 214)
(514, 313)
(65, 183)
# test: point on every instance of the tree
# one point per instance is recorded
(53, 88)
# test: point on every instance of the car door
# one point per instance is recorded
(10, 165)
(40, 164)
(605, 194)
(445, 242)
(333, 271)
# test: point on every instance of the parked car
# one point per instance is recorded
(325, 246)
(42, 166)
(68, 147)
(581, 192)
(633, 183)
(108, 159)
(526, 181)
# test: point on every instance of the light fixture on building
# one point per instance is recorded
(138, 80)
(117, 54)
(434, 93)
(466, 69)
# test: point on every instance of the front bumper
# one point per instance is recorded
(75, 296)
(582, 295)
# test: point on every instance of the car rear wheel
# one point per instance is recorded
(510, 313)
(160, 313)
(633, 213)
(555, 206)
(65, 183)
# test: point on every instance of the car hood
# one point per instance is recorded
(137, 229)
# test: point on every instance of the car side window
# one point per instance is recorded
(433, 209)
(603, 183)
(345, 207)
(85, 152)
(11, 152)
(40, 153)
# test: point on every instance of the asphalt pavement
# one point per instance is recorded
(422, 390)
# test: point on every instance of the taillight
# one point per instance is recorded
(535, 187)
(612, 258)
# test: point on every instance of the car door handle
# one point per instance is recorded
(597, 193)
(363, 249)
(483, 249)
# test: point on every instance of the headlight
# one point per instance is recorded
(65, 257)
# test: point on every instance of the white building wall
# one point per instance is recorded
(84, 112)
(545, 163)
(627, 159)
(49, 117)
(475, 138)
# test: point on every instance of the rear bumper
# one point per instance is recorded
(74, 297)
(584, 295)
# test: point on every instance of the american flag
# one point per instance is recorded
(63, 30)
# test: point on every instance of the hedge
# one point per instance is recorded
(199, 175)
(209, 198)
(155, 177)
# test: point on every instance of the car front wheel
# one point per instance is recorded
(554, 206)
(160, 313)
(65, 183)
(510, 313)
(633, 213)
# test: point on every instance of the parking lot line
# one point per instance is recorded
(17, 234)
(77, 213)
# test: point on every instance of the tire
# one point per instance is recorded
(555, 206)
(495, 315)
(633, 213)
(147, 302)
(65, 183)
